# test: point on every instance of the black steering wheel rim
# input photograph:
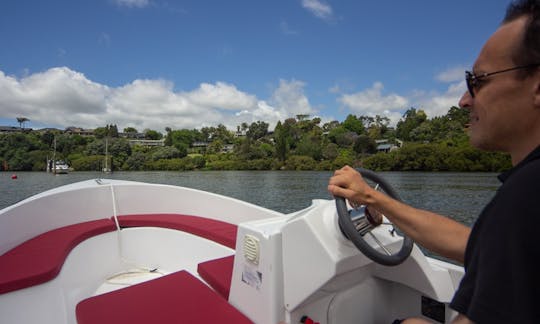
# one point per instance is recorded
(349, 230)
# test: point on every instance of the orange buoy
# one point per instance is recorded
(13, 176)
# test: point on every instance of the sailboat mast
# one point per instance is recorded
(106, 154)
(54, 156)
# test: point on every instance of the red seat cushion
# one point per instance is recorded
(215, 230)
(218, 274)
(175, 298)
(40, 259)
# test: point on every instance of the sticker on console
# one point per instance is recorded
(252, 277)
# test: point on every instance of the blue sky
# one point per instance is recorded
(152, 64)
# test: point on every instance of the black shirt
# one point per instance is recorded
(501, 282)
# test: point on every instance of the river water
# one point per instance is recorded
(458, 195)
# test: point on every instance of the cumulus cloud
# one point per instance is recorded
(375, 101)
(451, 75)
(287, 100)
(372, 101)
(221, 94)
(289, 97)
(318, 8)
(58, 96)
(61, 97)
(437, 103)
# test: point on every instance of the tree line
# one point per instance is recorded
(417, 143)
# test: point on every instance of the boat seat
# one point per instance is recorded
(175, 298)
(40, 258)
(218, 274)
(214, 230)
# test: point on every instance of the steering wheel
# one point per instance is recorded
(355, 229)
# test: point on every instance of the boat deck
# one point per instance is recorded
(40, 260)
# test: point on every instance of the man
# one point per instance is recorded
(501, 282)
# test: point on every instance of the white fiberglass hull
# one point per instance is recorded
(285, 266)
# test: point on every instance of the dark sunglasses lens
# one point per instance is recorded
(469, 80)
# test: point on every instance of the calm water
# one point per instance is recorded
(459, 195)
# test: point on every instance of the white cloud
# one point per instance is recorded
(57, 96)
(318, 8)
(221, 95)
(451, 75)
(132, 3)
(287, 100)
(437, 104)
(372, 101)
(61, 97)
(289, 97)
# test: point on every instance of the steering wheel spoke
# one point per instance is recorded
(379, 243)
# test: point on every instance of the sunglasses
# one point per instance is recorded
(473, 80)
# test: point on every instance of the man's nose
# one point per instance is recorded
(466, 100)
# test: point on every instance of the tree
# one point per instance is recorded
(309, 146)
(112, 130)
(165, 152)
(330, 152)
(353, 124)
(364, 144)
(282, 143)
(21, 121)
(342, 136)
(411, 119)
(330, 125)
(152, 134)
(257, 130)
(107, 131)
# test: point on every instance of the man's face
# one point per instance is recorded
(502, 109)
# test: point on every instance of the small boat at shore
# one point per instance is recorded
(113, 251)
(57, 167)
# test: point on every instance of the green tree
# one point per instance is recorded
(364, 144)
(310, 146)
(353, 124)
(152, 134)
(21, 121)
(165, 152)
(411, 119)
(281, 141)
(135, 162)
(257, 130)
(330, 152)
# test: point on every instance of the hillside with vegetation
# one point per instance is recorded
(417, 143)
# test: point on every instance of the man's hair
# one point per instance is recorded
(529, 51)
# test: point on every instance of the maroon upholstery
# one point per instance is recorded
(218, 274)
(215, 230)
(40, 259)
(175, 298)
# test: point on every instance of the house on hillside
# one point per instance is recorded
(385, 146)
(79, 131)
(13, 129)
